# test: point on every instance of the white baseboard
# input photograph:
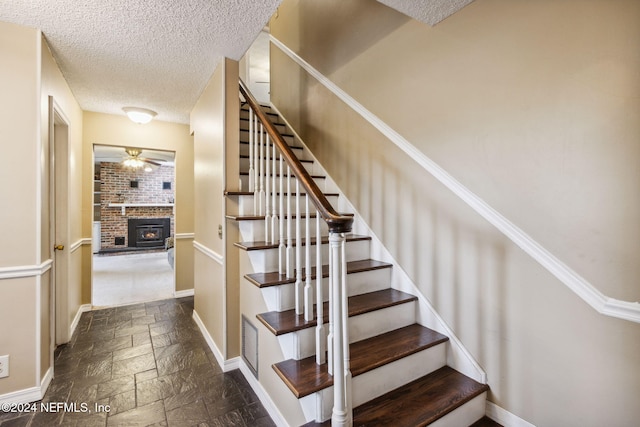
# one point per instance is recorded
(264, 397)
(184, 293)
(504, 417)
(225, 365)
(83, 308)
(31, 394)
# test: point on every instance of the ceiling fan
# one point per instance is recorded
(135, 161)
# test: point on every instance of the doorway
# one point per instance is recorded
(58, 217)
(133, 225)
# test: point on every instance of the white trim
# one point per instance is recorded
(209, 252)
(25, 270)
(31, 394)
(180, 236)
(82, 309)
(504, 417)
(225, 365)
(601, 303)
(264, 397)
(80, 242)
(184, 293)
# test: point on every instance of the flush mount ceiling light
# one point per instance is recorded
(139, 115)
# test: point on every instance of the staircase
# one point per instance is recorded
(398, 371)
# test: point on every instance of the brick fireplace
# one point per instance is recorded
(149, 196)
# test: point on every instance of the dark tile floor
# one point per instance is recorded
(150, 366)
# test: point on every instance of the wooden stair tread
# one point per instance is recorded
(284, 322)
(305, 376)
(263, 280)
(261, 217)
(419, 403)
(255, 246)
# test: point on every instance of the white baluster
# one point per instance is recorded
(321, 343)
(256, 161)
(282, 247)
(253, 155)
(261, 172)
(308, 290)
(289, 219)
(298, 285)
(267, 199)
(342, 373)
(274, 210)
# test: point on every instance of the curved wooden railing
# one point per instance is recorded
(267, 150)
(337, 223)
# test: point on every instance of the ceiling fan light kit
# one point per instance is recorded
(139, 115)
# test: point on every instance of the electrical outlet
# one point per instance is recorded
(4, 366)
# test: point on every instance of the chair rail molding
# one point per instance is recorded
(208, 252)
(25, 270)
(603, 304)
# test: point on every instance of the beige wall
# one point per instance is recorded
(530, 105)
(116, 130)
(214, 122)
(28, 80)
(207, 125)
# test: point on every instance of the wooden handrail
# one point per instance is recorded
(337, 223)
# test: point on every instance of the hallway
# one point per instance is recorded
(143, 365)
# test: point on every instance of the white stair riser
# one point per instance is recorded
(244, 125)
(267, 259)
(378, 381)
(300, 344)
(244, 137)
(464, 415)
(244, 113)
(244, 180)
(253, 230)
(244, 167)
(282, 297)
(245, 205)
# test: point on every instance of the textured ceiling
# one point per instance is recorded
(156, 54)
(428, 11)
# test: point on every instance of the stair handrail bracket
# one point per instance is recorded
(265, 183)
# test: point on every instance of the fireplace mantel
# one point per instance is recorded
(124, 206)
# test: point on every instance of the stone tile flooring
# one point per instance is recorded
(149, 364)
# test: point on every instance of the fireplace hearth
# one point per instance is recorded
(148, 232)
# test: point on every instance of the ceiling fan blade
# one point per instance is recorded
(151, 162)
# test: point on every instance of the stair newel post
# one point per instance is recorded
(308, 290)
(274, 210)
(261, 172)
(299, 284)
(282, 247)
(267, 198)
(320, 337)
(289, 235)
(341, 370)
(251, 171)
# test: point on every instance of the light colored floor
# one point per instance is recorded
(131, 278)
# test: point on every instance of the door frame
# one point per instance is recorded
(59, 224)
